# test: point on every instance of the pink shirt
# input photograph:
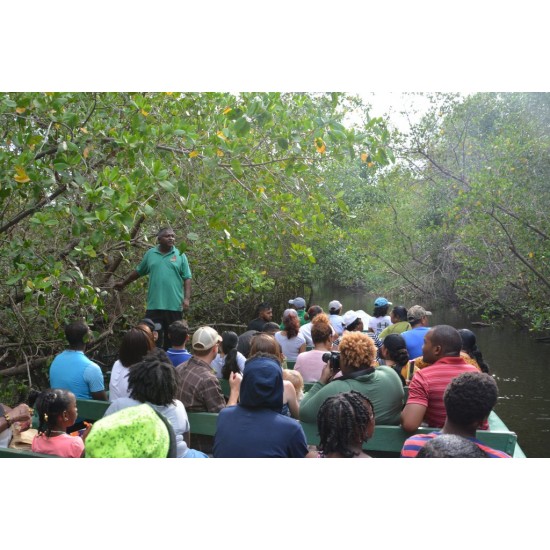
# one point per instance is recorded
(310, 364)
(63, 445)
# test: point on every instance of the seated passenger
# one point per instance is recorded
(356, 358)
(266, 345)
(228, 359)
(290, 339)
(56, 412)
(395, 355)
(335, 316)
(71, 370)
(469, 347)
(450, 446)
(265, 314)
(399, 321)
(380, 318)
(345, 421)
(153, 381)
(305, 330)
(133, 432)
(469, 399)
(442, 345)
(310, 363)
(414, 338)
(255, 428)
(178, 335)
(295, 378)
(135, 344)
(299, 304)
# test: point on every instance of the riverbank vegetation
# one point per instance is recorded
(267, 192)
(462, 216)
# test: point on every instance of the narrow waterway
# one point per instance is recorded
(518, 362)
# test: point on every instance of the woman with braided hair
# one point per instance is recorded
(469, 346)
(345, 421)
(395, 355)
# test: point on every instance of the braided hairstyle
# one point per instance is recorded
(396, 350)
(50, 404)
(229, 346)
(469, 345)
(343, 420)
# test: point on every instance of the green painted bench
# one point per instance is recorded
(19, 453)
(386, 439)
(90, 409)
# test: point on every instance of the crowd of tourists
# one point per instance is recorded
(360, 369)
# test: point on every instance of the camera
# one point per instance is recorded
(333, 358)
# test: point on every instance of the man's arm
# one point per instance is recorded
(134, 275)
(100, 395)
(412, 416)
(93, 376)
(187, 293)
(212, 395)
(235, 388)
(22, 413)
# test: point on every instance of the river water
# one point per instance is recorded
(517, 361)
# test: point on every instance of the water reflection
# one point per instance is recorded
(517, 361)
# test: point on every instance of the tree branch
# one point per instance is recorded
(113, 266)
(527, 224)
(33, 209)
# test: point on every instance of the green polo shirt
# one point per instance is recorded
(166, 275)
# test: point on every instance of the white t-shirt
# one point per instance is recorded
(290, 346)
(118, 384)
(378, 324)
(305, 331)
(336, 322)
(219, 361)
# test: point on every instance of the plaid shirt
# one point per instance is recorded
(198, 387)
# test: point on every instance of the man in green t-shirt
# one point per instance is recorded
(169, 282)
(299, 305)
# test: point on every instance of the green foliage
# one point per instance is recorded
(87, 179)
(470, 220)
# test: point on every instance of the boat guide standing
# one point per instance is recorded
(169, 291)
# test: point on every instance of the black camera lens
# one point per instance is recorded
(326, 357)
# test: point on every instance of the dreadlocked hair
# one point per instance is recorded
(153, 379)
(343, 421)
(49, 405)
